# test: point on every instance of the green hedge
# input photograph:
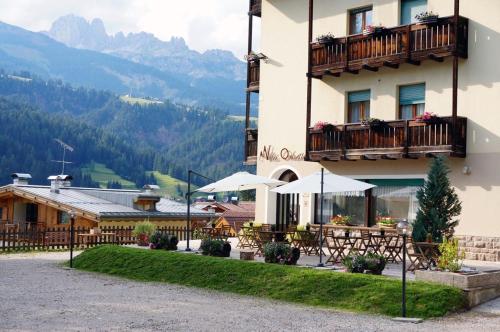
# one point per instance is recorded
(354, 292)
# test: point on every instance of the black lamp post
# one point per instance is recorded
(188, 198)
(404, 229)
(71, 236)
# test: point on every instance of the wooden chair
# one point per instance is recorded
(417, 259)
(336, 248)
(262, 238)
(393, 248)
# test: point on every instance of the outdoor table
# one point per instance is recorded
(337, 246)
(429, 252)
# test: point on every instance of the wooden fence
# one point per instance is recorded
(53, 238)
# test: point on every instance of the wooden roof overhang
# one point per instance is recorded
(12, 191)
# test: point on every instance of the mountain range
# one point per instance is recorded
(84, 54)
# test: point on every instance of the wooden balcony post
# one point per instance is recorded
(454, 106)
(309, 77)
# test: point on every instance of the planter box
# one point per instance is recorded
(478, 287)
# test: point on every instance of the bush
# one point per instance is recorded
(217, 248)
(371, 263)
(143, 232)
(161, 240)
(450, 259)
(281, 253)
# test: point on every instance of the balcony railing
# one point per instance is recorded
(254, 79)
(391, 47)
(251, 146)
(390, 140)
(256, 7)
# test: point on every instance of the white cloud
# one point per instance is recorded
(205, 24)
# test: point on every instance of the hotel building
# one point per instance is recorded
(376, 60)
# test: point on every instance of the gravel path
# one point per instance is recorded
(37, 294)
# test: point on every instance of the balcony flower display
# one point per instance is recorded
(322, 125)
(374, 29)
(427, 117)
(327, 38)
(386, 222)
(427, 17)
(341, 220)
(373, 123)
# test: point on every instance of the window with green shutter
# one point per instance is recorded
(359, 106)
(411, 101)
(410, 8)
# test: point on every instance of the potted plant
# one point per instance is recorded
(373, 123)
(322, 126)
(340, 220)
(386, 222)
(327, 38)
(143, 232)
(428, 118)
(368, 30)
(347, 232)
(308, 227)
(427, 17)
(374, 264)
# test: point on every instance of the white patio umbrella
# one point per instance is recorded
(319, 183)
(240, 181)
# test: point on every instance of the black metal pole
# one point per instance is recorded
(321, 220)
(188, 226)
(403, 309)
(71, 240)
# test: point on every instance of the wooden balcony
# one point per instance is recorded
(390, 140)
(255, 7)
(251, 146)
(391, 47)
(254, 77)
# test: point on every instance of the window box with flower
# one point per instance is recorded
(427, 17)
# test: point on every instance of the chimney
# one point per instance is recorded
(55, 183)
(150, 189)
(20, 178)
(147, 199)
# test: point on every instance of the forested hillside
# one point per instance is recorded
(128, 138)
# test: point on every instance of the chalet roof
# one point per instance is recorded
(105, 203)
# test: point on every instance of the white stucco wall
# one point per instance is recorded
(282, 110)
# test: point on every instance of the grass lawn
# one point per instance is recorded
(101, 174)
(353, 292)
(169, 184)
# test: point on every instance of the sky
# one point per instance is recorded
(204, 24)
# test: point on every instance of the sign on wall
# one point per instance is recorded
(269, 153)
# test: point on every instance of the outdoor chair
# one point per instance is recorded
(242, 239)
(417, 259)
(336, 249)
(393, 248)
(262, 238)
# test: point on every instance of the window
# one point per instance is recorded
(359, 106)
(345, 204)
(410, 8)
(411, 101)
(63, 218)
(359, 19)
(396, 198)
(31, 213)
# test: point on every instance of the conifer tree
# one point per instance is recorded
(439, 205)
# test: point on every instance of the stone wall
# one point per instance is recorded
(480, 247)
